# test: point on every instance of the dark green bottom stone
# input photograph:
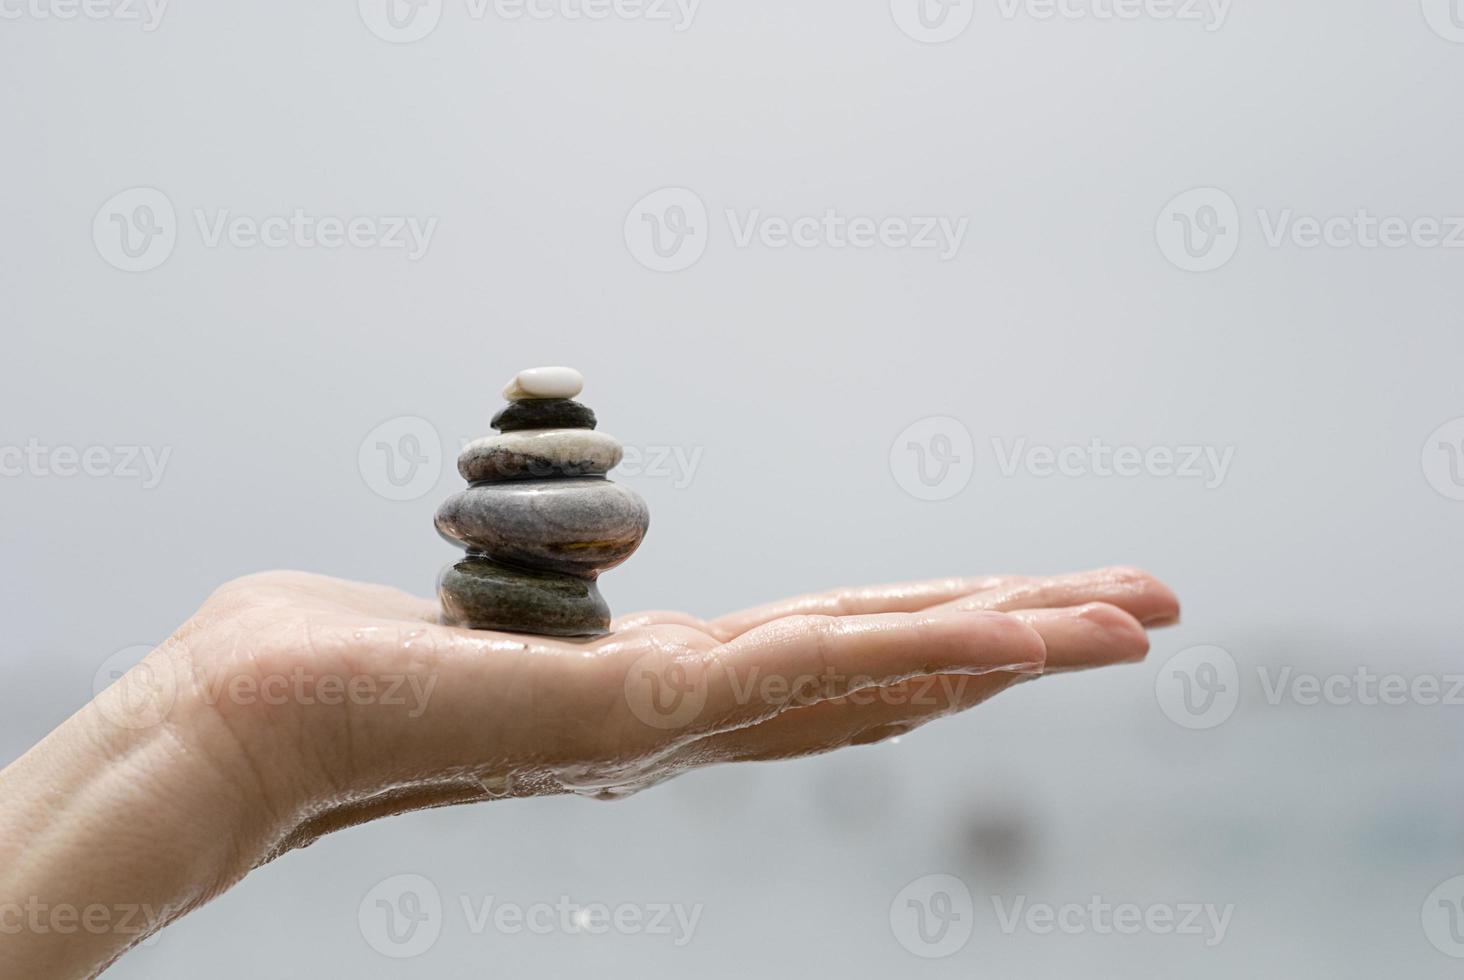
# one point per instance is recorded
(485, 595)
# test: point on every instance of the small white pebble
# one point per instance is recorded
(545, 382)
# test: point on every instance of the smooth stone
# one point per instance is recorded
(539, 454)
(544, 413)
(481, 594)
(545, 382)
(581, 526)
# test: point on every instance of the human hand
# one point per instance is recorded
(292, 705)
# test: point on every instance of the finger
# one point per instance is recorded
(1133, 590)
(806, 660)
(658, 617)
(870, 716)
(1083, 637)
(1087, 636)
(901, 597)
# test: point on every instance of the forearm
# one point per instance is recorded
(106, 834)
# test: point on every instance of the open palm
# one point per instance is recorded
(349, 701)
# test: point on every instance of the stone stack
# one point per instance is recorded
(539, 519)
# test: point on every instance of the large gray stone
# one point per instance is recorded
(581, 526)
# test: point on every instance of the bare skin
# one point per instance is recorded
(292, 705)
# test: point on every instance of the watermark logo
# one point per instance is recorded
(672, 693)
(1443, 917)
(668, 230)
(933, 459)
(406, 21)
(132, 692)
(410, 692)
(401, 916)
(35, 459)
(1361, 686)
(671, 919)
(1198, 688)
(933, 21)
(933, 917)
(1099, 458)
(303, 230)
(1210, 13)
(665, 694)
(1100, 917)
(65, 919)
(1199, 230)
(148, 14)
(676, 464)
(401, 459)
(400, 21)
(1443, 459)
(136, 230)
(1446, 17)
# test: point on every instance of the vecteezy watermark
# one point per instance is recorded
(401, 916)
(401, 459)
(668, 693)
(1100, 916)
(299, 686)
(1098, 458)
(1200, 230)
(675, 464)
(1198, 688)
(133, 691)
(1211, 14)
(933, 916)
(1443, 917)
(303, 230)
(1443, 459)
(669, 230)
(933, 459)
(933, 21)
(406, 21)
(404, 915)
(148, 14)
(673, 920)
(1446, 17)
(1201, 688)
(95, 919)
(137, 230)
(938, 21)
(35, 459)
(1359, 686)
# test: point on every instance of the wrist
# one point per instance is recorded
(118, 822)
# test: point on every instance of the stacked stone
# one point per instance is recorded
(540, 520)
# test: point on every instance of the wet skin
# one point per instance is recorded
(214, 783)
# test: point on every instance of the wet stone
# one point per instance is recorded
(583, 526)
(483, 594)
(544, 413)
(539, 454)
(539, 519)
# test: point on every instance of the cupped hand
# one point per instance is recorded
(333, 702)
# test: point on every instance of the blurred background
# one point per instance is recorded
(873, 292)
